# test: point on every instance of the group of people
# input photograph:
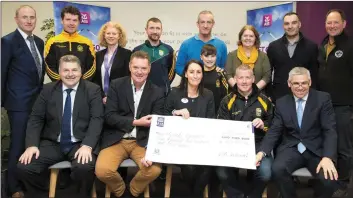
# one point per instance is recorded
(97, 111)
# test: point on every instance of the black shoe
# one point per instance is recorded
(340, 193)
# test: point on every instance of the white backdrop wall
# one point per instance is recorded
(178, 18)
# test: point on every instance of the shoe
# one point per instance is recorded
(18, 195)
(340, 193)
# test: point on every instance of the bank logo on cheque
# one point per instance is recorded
(160, 122)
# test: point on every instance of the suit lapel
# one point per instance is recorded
(307, 110)
(58, 97)
(79, 97)
(116, 63)
(293, 111)
(144, 98)
(129, 95)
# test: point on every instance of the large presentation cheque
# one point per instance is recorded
(201, 141)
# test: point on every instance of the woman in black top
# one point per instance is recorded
(191, 99)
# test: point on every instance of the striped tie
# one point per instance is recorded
(35, 55)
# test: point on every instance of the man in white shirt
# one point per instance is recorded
(22, 75)
(131, 101)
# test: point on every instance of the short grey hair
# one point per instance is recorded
(205, 12)
(298, 71)
(70, 59)
(24, 6)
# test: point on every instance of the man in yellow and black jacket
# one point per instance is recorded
(70, 42)
(247, 103)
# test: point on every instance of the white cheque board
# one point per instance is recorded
(201, 141)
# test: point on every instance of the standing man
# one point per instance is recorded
(70, 42)
(336, 78)
(306, 122)
(292, 50)
(22, 75)
(65, 124)
(191, 48)
(160, 54)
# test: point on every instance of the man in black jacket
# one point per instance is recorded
(246, 103)
(65, 124)
(336, 78)
(292, 50)
(131, 101)
(306, 122)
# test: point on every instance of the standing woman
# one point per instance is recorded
(191, 99)
(248, 53)
(112, 62)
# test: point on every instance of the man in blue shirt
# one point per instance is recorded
(191, 48)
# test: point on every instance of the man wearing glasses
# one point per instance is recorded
(305, 120)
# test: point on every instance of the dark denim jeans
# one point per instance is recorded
(234, 188)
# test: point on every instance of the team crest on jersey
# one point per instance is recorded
(338, 53)
(80, 48)
(258, 112)
(218, 84)
(161, 53)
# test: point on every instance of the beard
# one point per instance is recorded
(154, 37)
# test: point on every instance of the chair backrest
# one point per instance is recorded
(61, 165)
(302, 172)
(128, 163)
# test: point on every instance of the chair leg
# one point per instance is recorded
(53, 178)
(168, 181)
(94, 193)
(264, 194)
(224, 195)
(147, 191)
(205, 193)
(107, 192)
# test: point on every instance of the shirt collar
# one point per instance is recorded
(305, 98)
(134, 88)
(198, 38)
(24, 35)
(74, 88)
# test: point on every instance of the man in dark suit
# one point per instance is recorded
(306, 121)
(289, 51)
(22, 74)
(130, 104)
(65, 124)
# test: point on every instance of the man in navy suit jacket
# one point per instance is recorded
(306, 121)
(22, 75)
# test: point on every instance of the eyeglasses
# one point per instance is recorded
(297, 84)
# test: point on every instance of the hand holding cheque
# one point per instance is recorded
(201, 141)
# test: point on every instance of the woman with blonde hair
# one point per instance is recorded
(113, 61)
(248, 53)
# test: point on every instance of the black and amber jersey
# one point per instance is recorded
(216, 82)
(236, 107)
(66, 44)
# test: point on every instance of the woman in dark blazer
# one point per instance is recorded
(112, 62)
(191, 99)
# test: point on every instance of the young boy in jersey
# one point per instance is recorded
(214, 78)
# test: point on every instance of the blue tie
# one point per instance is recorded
(65, 137)
(301, 147)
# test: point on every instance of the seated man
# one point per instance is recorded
(65, 124)
(246, 103)
(306, 121)
(130, 102)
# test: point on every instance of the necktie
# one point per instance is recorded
(301, 147)
(35, 55)
(65, 137)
